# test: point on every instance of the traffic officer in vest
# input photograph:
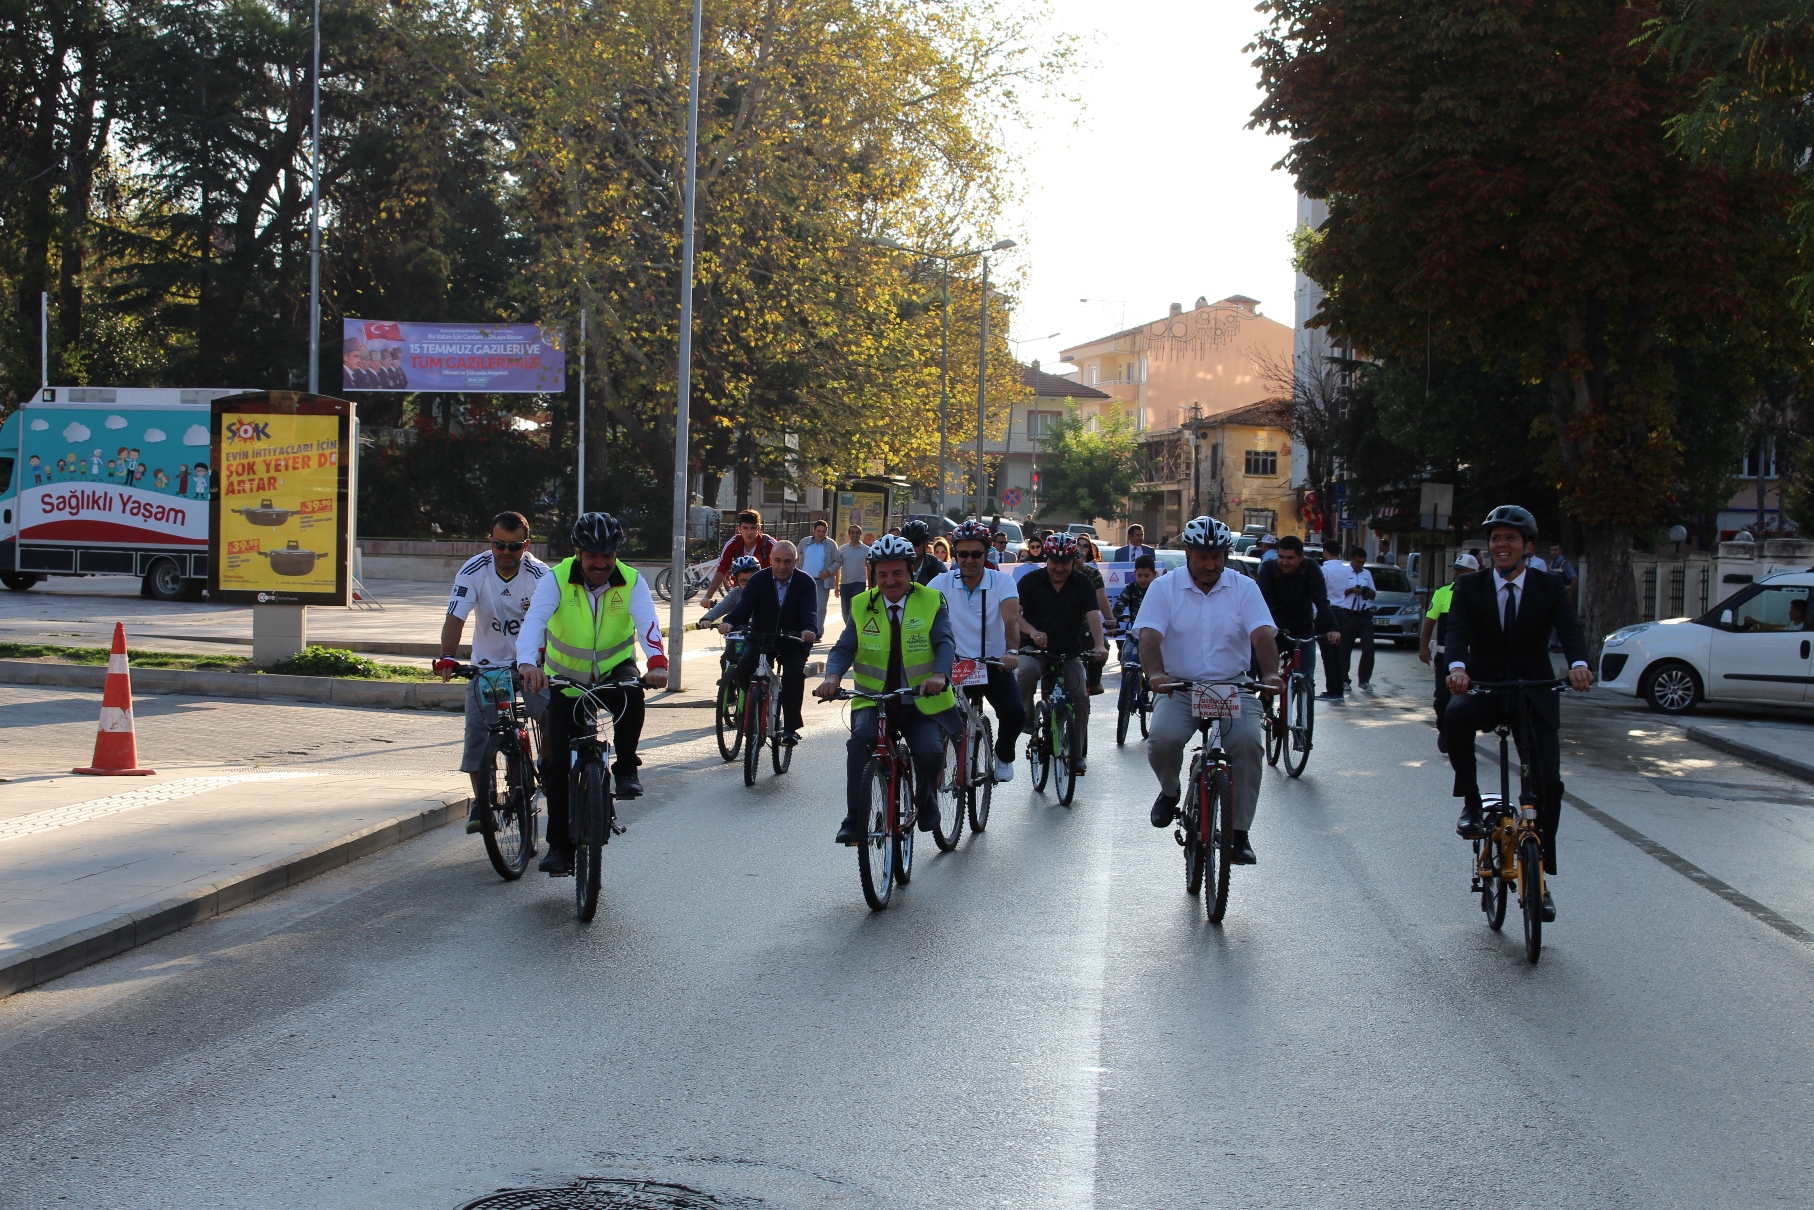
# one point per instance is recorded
(899, 637)
(584, 622)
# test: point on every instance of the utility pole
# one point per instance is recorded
(944, 371)
(581, 507)
(678, 593)
(982, 390)
(44, 341)
(315, 217)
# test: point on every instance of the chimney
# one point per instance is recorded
(1177, 308)
(1202, 301)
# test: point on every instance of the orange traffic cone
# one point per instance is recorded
(116, 752)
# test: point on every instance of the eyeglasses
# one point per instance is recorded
(969, 554)
(510, 546)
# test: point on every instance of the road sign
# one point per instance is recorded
(1011, 498)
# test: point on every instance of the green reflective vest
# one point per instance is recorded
(580, 645)
(869, 614)
(1439, 601)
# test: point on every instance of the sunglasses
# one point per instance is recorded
(510, 546)
(969, 554)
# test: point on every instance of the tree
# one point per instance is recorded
(1501, 185)
(1086, 471)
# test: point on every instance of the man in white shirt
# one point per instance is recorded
(493, 587)
(1206, 626)
(1351, 593)
(819, 560)
(984, 608)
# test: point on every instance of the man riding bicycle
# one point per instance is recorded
(1298, 599)
(589, 613)
(899, 638)
(927, 566)
(1206, 626)
(778, 600)
(984, 607)
(1060, 613)
(492, 588)
(1499, 628)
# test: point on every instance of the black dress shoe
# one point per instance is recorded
(1470, 826)
(1243, 851)
(928, 817)
(1328, 697)
(1548, 909)
(850, 832)
(790, 738)
(556, 862)
(629, 786)
(1442, 743)
(1165, 809)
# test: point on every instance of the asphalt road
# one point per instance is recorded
(1041, 1019)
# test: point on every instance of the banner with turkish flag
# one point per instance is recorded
(385, 355)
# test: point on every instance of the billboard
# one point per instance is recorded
(380, 355)
(280, 520)
(127, 475)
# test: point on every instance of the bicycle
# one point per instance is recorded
(1136, 699)
(762, 716)
(885, 854)
(591, 807)
(698, 579)
(729, 706)
(1205, 830)
(1291, 721)
(507, 784)
(1052, 750)
(968, 783)
(1512, 850)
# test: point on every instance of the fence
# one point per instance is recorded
(1674, 586)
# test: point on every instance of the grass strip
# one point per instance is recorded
(317, 661)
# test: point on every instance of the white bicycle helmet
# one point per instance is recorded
(890, 547)
(1207, 533)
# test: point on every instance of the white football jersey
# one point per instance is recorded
(497, 606)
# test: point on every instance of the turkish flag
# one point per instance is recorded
(383, 331)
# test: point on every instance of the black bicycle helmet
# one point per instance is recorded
(1511, 514)
(599, 533)
(917, 532)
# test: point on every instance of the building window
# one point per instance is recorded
(1215, 460)
(1039, 424)
(1262, 463)
(1265, 517)
(1143, 369)
(1095, 374)
(1750, 471)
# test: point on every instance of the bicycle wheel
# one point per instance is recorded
(950, 794)
(982, 777)
(1272, 723)
(730, 720)
(1220, 858)
(905, 825)
(509, 825)
(1039, 748)
(755, 706)
(1530, 895)
(1299, 723)
(1064, 754)
(592, 814)
(1190, 830)
(664, 580)
(1492, 898)
(1146, 704)
(780, 755)
(875, 852)
(1124, 706)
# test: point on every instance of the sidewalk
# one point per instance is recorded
(1785, 747)
(92, 866)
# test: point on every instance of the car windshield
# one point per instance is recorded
(1012, 529)
(1388, 579)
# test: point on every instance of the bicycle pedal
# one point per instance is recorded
(1178, 836)
(618, 829)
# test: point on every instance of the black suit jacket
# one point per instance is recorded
(1476, 632)
(759, 608)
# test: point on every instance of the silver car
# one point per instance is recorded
(1396, 613)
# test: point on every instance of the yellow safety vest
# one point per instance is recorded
(581, 645)
(869, 614)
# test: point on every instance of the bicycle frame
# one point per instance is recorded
(1513, 831)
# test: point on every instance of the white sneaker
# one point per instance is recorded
(1004, 771)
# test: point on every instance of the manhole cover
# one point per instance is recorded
(599, 1195)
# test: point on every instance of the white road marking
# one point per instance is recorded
(131, 800)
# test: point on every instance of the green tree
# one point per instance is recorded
(1501, 185)
(1086, 470)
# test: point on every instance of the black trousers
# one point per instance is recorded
(925, 742)
(1003, 692)
(1468, 716)
(791, 659)
(1440, 665)
(1357, 626)
(558, 729)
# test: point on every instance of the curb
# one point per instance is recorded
(135, 927)
(338, 691)
(1751, 752)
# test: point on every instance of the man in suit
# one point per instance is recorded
(1136, 545)
(1499, 628)
(779, 599)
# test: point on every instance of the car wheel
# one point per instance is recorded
(1671, 688)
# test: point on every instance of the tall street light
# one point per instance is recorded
(944, 339)
(315, 219)
(677, 595)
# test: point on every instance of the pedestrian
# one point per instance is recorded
(1136, 544)
(852, 568)
(1560, 566)
(998, 548)
(748, 540)
(818, 559)
(1351, 593)
(941, 550)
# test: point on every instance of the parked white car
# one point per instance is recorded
(1752, 647)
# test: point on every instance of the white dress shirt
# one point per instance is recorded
(1205, 636)
(1342, 580)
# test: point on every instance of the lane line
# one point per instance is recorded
(1075, 1124)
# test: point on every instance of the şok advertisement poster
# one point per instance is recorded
(521, 359)
(280, 506)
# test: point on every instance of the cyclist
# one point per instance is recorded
(589, 614)
(778, 600)
(1127, 601)
(900, 637)
(1298, 599)
(1499, 628)
(749, 540)
(493, 586)
(1060, 613)
(1435, 630)
(927, 566)
(1206, 626)
(984, 606)
(742, 568)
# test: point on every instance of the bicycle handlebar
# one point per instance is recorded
(1554, 684)
(905, 694)
(1246, 683)
(567, 682)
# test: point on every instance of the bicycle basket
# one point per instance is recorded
(497, 686)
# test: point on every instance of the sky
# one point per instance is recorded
(1160, 193)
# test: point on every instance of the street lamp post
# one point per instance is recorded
(315, 217)
(982, 391)
(677, 593)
